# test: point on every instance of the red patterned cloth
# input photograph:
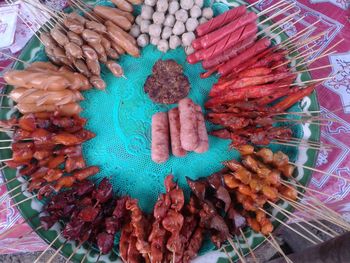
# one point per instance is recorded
(333, 95)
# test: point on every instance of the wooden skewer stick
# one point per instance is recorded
(86, 254)
(312, 69)
(5, 147)
(307, 41)
(305, 145)
(285, 182)
(295, 22)
(249, 247)
(281, 22)
(74, 252)
(277, 14)
(300, 121)
(330, 230)
(56, 252)
(14, 189)
(277, 248)
(83, 10)
(302, 219)
(99, 255)
(311, 142)
(319, 171)
(241, 257)
(273, 240)
(294, 145)
(274, 6)
(298, 35)
(239, 245)
(5, 160)
(20, 202)
(310, 208)
(290, 214)
(286, 225)
(50, 245)
(14, 58)
(322, 206)
(227, 254)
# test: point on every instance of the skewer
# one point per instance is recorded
(86, 254)
(301, 219)
(327, 228)
(5, 147)
(253, 4)
(307, 41)
(83, 10)
(227, 254)
(20, 202)
(14, 58)
(241, 257)
(304, 143)
(323, 54)
(98, 258)
(74, 252)
(269, 9)
(295, 22)
(297, 36)
(239, 245)
(247, 243)
(56, 252)
(286, 225)
(319, 171)
(318, 212)
(312, 69)
(50, 245)
(286, 8)
(277, 248)
(281, 22)
(284, 182)
(14, 189)
(301, 121)
(273, 240)
(312, 142)
(5, 160)
(288, 214)
(295, 145)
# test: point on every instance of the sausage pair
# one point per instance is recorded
(186, 127)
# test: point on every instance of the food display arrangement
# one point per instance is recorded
(251, 85)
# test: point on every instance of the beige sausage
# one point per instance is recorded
(115, 68)
(111, 53)
(41, 97)
(117, 48)
(98, 83)
(37, 80)
(125, 34)
(123, 42)
(77, 17)
(128, 15)
(123, 5)
(65, 110)
(75, 38)
(107, 13)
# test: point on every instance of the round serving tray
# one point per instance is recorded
(121, 118)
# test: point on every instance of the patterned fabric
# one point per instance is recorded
(333, 95)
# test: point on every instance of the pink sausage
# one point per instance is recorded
(203, 145)
(174, 123)
(254, 50)
(213, 37)
(223, 44)
(160, 137)
(226, 55)
(188, 125)
(220, 20)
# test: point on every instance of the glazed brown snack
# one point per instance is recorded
(41, 66)
(47, 40)
(41, 97)
(80, 65)
(95, 26)
(73, 25)
(94, 66)
(89, 52)
(73, 50)
(91, 36)
(59, 36)
(102, 56)
(117, 18)
(66, 110)
(75, 38)
(167, 85)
